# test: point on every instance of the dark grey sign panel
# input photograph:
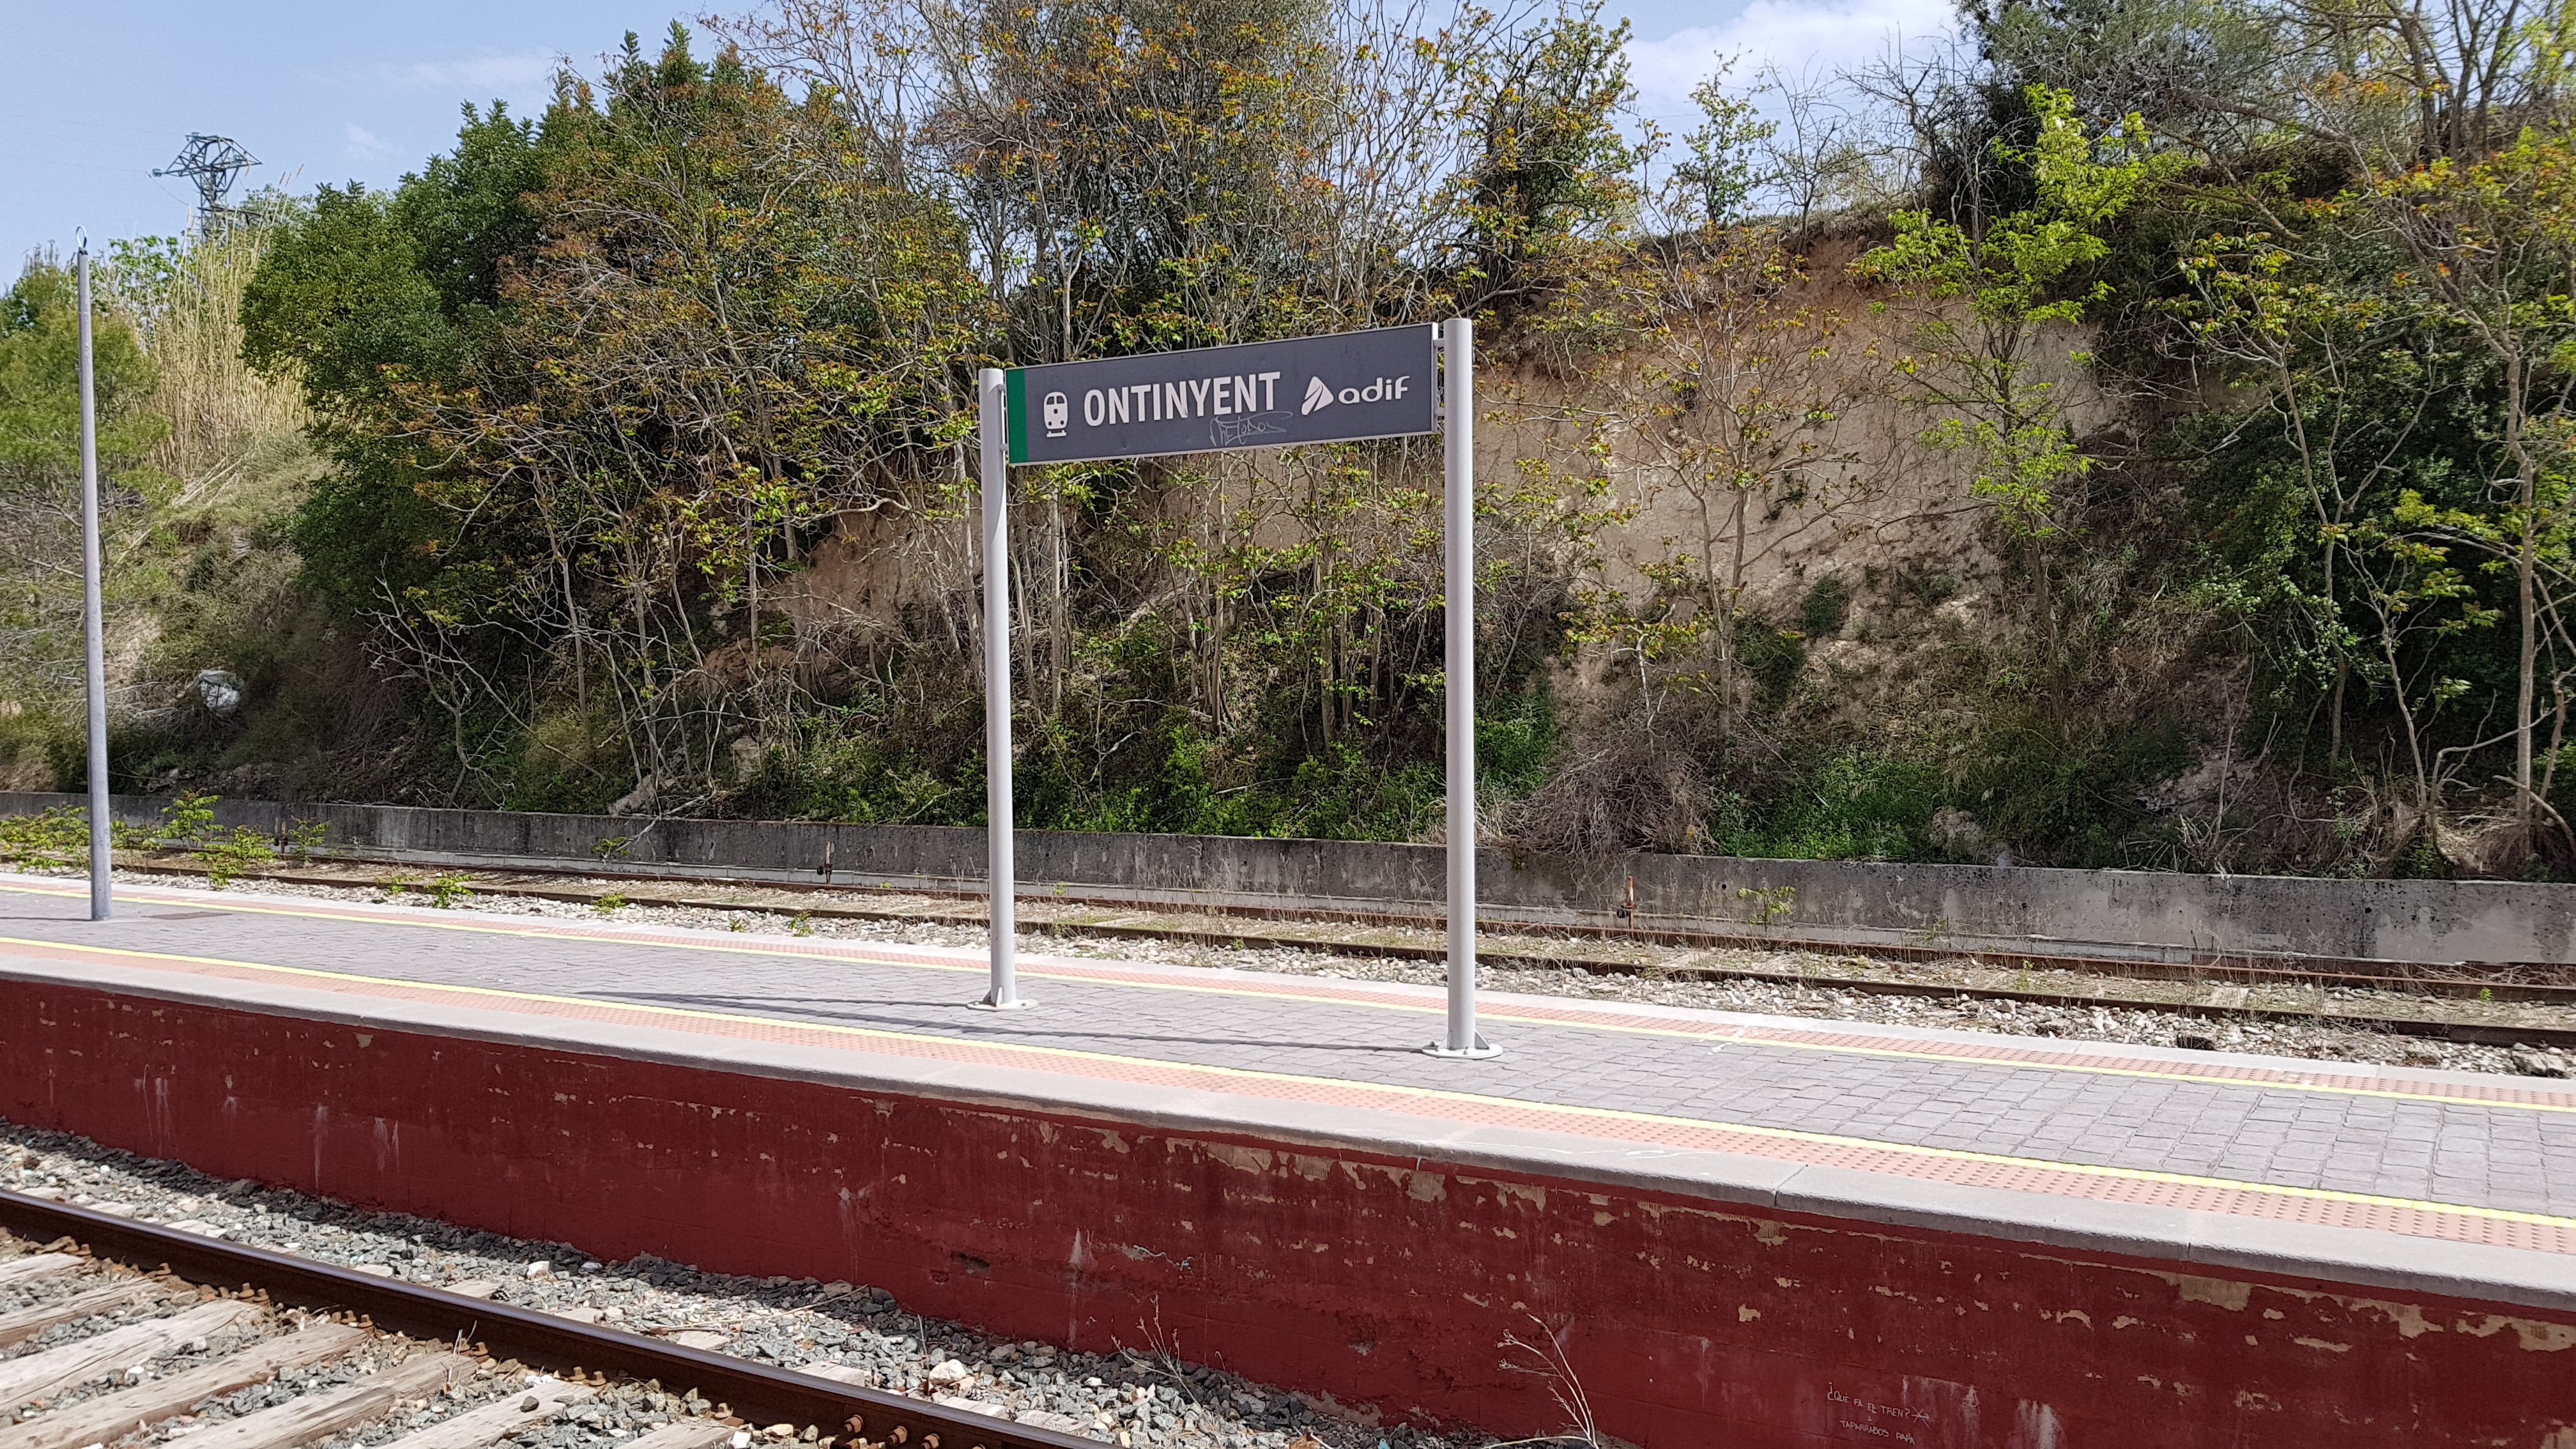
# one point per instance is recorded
(1374, 384)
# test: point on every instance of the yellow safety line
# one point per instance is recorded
(1430, 1094)
(1428, 1008)
(2152, 1075)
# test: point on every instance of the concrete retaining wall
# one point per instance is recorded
(1963, 907)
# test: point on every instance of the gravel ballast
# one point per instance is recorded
(1133, 1397)
(50, 1163)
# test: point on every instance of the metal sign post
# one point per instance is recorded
(93, 623)
(994, 501)
(1458, 503)
(1380, 383)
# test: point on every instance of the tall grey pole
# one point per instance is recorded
(93, 620)
(1458, 456)
(991, 401)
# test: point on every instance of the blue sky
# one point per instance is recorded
(94, 99)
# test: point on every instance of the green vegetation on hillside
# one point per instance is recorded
(2142, 437)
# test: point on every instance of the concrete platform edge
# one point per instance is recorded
(2333, 1256)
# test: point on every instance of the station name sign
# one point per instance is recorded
(1351, 385)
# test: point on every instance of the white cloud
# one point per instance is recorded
(1800, 37)
(525, 74)
(365, 145)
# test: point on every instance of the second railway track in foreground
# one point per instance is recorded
(163, 1321)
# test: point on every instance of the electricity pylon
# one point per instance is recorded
(211, 162)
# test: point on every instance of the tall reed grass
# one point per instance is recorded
(185, 297)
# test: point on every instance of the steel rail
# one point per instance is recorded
(756, 1393)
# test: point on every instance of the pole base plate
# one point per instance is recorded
(989, 1004)
(1481, 1051)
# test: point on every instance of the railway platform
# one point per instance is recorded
(1684, 1227)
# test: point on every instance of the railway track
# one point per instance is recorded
(1592, 949)
(155, 1328)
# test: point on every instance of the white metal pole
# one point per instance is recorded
(991, 400)
(93, 623)
(1458, 452)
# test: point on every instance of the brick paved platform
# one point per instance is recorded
(2205, 1204)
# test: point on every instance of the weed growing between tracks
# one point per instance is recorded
(1144, 1398)
(1548, 1359)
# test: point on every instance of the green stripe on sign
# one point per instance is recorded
(1016, 406)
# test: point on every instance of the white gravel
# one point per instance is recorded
(1131, 1398)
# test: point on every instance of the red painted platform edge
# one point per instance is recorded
(1374, 1279)
(2457, 1249)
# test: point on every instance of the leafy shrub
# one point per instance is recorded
(1773, 657)
(1857, 805)
(57, 838)
(1827, 605)
(189, 817)
(49, 840)
(226, 856)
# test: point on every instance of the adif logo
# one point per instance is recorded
(1384, 389)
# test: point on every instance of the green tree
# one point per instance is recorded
(2412, 247)
(1724, 164)
(1991, 301)
(581, 452)
(341, 304)
(1553, 168)
(40, 383)
(40, 534)
(2492, 244)
(361, 293)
